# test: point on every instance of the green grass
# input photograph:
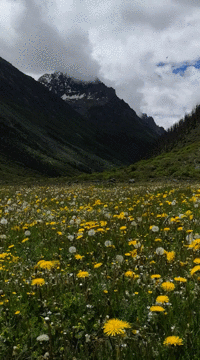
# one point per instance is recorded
(104, 232)
(180, 164)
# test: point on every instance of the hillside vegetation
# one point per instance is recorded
(43, 136)
(175, 156)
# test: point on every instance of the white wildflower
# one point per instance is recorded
(3, 236)
(43, 337)
(108, 243)
(160, 251)
(119, 259)
(155, 228)
(87, 338)
(91, 232)
(4, 221)
(72, 249)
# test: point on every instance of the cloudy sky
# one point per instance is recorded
(148, 50)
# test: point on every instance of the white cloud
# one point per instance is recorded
(10, 11)
(119, 41)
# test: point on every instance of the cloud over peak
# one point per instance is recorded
(121, 42)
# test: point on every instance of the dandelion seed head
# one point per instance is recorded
(72, 249)
(160, 251)
(43, 337)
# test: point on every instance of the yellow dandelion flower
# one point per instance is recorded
(26, 239)
(133, 253)
(38, 281)
(162, 299)
(43, 264)
(195, 244)
(122, 228)
(132, 242)
(79, 257)
(97, 265)
(170, 256)
(183, 263)
(4, 255)
(79, 236)
(173, 340)
(115, 327)
(17, 312)
(156, 308)
(82, 274)
(155, 276)
(168, 286)
(180, 279)
(134, 332)
(130, 274)
(195, 269)
(81, 230)
(196, 261)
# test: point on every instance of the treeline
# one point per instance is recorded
(178, 133)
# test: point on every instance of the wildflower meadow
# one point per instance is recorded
(100, 272)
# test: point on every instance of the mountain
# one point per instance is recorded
(174, 157)
(84, 95)
(116, 125)
(81, 95)
(150, 122)
(42, 134)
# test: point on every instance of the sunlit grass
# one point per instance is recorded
(91, 272)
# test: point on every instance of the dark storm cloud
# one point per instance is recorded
(39, 47)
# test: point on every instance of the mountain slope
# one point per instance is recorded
(116, 125)
(43, 134)
(176, 156)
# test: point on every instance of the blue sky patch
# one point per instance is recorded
(182, 67)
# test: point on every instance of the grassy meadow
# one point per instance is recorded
(100, 272)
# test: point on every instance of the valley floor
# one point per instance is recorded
(100, 271)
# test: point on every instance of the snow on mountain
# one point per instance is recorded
(86, 96)
(80, 94)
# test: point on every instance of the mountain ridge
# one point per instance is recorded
(46, 136)
(84, 95)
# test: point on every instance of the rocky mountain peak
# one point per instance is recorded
(81, 95)
(150, 122)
